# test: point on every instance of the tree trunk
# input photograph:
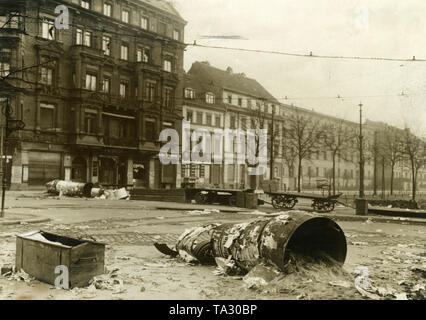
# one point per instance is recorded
(383, 178)
(413, 171)
(391, 178)
(299, 176)
(334, 174)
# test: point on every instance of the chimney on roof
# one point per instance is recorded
(206, 62)
(229, 70)
(243, 75)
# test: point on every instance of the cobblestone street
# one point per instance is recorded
(394, 253)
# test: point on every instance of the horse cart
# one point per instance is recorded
(287, 200)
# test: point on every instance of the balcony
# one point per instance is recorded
(130, 143)
(88, 139)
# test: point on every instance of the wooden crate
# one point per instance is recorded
(38, 253)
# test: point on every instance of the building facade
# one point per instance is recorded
(222, 99)
(96, 94)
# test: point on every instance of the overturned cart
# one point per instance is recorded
(277, 241)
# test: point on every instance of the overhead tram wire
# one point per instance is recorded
(310, 55)
(292, 54)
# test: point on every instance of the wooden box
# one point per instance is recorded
(38, 253)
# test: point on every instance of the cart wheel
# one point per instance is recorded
(328, 207)
(277, 202)
(233, 201)
(323, 206)
(289, 203)
(201, 198)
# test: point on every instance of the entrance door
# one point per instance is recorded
(122, 174)
(107, 172)
(79, 170)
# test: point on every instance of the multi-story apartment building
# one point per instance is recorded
(215, 98)
(96, 94)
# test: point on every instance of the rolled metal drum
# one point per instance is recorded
(72, 189)
(197, 243)
(272, 240)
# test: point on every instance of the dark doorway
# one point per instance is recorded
(107, 172)
(79, 170)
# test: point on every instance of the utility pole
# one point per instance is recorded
(375, 164)
(361, 156)
(361, 202)
(4, 132)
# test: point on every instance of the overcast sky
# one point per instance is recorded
(374, 28)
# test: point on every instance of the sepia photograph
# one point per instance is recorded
(224, 151)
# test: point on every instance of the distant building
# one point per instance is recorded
(215, 98)
(97, 94)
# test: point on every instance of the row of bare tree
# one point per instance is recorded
(304, 135)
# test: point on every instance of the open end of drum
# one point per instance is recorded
(319, 240)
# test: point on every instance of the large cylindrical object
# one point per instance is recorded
(70, 188)
(276, 240)
(197, 243)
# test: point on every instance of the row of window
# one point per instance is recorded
(91, 83)
(251, 103)
(126, 18)
(210, 119)
(190, 94)
(114, 127)
(84, 38)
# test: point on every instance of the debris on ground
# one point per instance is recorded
(115, 194)
(77, 189)
(6, 269)
(202, 212)
(19, 276)
(359, 243)
(260, 276)
(227, 267)
(109, 281)
(340, 283)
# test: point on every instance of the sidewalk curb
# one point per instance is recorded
(236, 210)
(376, 219)
(30, 221)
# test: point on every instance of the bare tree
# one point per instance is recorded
(392, 150)
(303, 133)
(415, 152)
(338, 138)
(259, 118)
